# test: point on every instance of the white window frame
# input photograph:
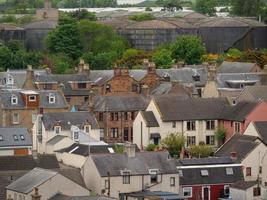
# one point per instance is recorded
(51, 98)
(153, 172)
(87, 127)
(225, 187)
(189, 190)
(213, 141)
(9, 80)
(14, 99)
(209, 126)
(172, 181)
(32, 96)
(191, 143)
(126, 177)
(15, 120)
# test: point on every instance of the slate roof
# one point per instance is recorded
(32, 179)
(238, 112)
(28, 162)
(6, 95)
(74, 175)
(55, 139)
(118, 103)
(243, 185)
(254, 93)
(23, 138)
(241, 144)
(173, 108)
(261, 128)
(154, 195)
(236, 67)
(65, 197)
(216, 175)
(138, 165)
(83, 149)
(150, 119)
(206, 161)
(74, 118)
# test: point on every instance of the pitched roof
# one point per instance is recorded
(243, 185)
(55, 139)
(206, 161)
(150, 119)
(73, 174)
(138, 165)
(174, 108)
(65, 197)
(66, 119)
(236, 67)
(256, 92)
(28, 162)
(15, 137)
(261, 128)
(241, 144)
(239, 111)
(118, 103)
(32, 179)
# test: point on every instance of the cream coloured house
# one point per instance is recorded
(54, 131)
(49, 183)
(196, 119)
(116, 174)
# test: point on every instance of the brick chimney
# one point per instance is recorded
(151, 68)
(29, 83)
(145, 90)
(36, 195)
(212, 71)
(129, 149)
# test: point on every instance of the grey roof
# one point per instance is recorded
(55, 139)
(174, 108)
(65, 197)
(241, 144)
(236, 67)
(138, 165)
(66, 119)
(15, 137)
(19, 163)
(64, 80)
(6, 95)
(73, 174)
(243, 185)
(118, 103)
(254, 93)
(233, 80)
(206, 161)
(261, 128)
(154, 194)
(32, 179)
(216, 175)
(150, 119)
(238, 112)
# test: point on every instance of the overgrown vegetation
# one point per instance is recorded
(142, 17)
(200, 151)
(173, 143)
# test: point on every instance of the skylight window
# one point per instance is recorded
(229, 171)
(1, 138)
(22, 137)
(204, 172)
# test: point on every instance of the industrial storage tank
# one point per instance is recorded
(221, 34)
(36, 33)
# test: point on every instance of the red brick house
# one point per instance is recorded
(236, 118)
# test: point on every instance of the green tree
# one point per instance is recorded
(174, 143)
(200, 151)
(220, 134)
(247, 7)
(61, 63)
(15, 45)
(162, 58)
(65, 39)
(83, 14)
(188, 49)
(170, 5)
(151, 147)
(5, 57)
(206, 7)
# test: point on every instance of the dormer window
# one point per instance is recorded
(153, 175)
(32, 98)
(14, 99)
(87, 128)
(9, 80)
(52, 98)
(57, 129)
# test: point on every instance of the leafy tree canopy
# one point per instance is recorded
(206, 7)
(174, 143)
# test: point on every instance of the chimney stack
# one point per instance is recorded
(212, 71)
(129, 149)
(36, 195)
(233, 155)
(28, 84)
(145, 90)
(83, 68)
